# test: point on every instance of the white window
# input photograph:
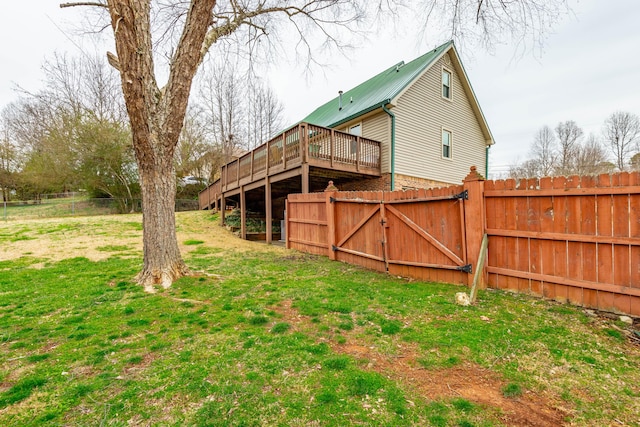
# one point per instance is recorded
(446, 144)
(446, 84)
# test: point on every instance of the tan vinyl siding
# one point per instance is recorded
(421, 115)
(378, 127)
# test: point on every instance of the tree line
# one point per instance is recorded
(565, 150)
(74, 133)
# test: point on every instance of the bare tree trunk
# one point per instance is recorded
(162, 261)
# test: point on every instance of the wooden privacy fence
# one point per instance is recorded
(420, 233)
(570, 239)
(573, 239)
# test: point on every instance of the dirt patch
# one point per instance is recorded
(468, 381)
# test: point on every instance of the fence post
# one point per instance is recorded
(287, 242)
(330, 193)
(474, 222)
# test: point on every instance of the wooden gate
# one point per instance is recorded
(416, 234)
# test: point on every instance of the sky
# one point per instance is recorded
(588, 69)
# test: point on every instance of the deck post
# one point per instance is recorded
(223, 176)
(223, 208)
(253, 152)
(268, 207)
(331, 146)
(284, 151)
(304, 144)
(305, 178)
(243, 214)
(266, 166)
(358, 151)
(474, 220)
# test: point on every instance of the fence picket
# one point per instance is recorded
(589, 249)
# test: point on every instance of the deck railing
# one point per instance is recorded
(207, 197)
(305, 143)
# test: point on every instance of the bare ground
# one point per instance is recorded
(468, 381)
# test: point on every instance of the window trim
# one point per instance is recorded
(353, 148)
(442, 86)
(355, 125)
(442, 145)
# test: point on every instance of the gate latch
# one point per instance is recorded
(463, 195)
(466, 268)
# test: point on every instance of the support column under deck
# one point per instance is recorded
(305, 178)
(243, 214)
(268, 208)
(223, 208)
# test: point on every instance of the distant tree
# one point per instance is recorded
(72, 133)
(220, 99)
(607, 167)
(106, 162)
(9, 162)
(194, 150)
(544, 151)
(621, 131)
(527, 169)
(635, 162)
(51, 161)
(238, 113)
(568, 134)
(590, 158)
(264, 115)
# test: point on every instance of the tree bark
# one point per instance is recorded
(162, 261)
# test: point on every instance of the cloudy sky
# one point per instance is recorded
(589, 68)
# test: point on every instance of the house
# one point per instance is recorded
(416, 124)
(426, 116)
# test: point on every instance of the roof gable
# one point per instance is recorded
(378, 90)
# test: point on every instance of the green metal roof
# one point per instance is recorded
(373, 93)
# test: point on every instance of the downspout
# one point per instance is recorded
(486, 162)
(393, 142)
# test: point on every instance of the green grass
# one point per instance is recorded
(81, 344)
(512, 390)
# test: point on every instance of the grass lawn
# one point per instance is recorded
(262, 336)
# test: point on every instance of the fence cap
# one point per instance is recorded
(331, 187)
(473, 175)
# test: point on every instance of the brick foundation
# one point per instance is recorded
(402, 182)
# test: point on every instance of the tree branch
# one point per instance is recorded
(84, 3)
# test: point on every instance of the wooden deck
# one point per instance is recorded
(292, 153)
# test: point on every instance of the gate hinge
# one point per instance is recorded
(334, 248)
(463, 195)
(332, 200)
(466, 268)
